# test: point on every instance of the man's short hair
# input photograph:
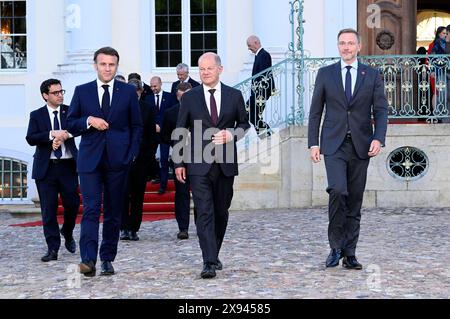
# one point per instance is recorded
(107, 51)
(182, 67)
(448, 28)
(350, 30)
(184, 86)
(45, 86)
(120, 77)
(137, 84)
(134, 76)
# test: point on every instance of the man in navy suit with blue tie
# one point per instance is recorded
(353, 94)
(106, 113)
(54, 167)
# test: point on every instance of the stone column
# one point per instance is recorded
(88, 27)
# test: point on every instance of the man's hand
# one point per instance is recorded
(56, 143)
(315, 154)
(60, 134)
(98, 123)
(222, 137)
(375, 148)
(158, 129)
(180, 173)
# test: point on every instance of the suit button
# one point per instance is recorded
(349, 112)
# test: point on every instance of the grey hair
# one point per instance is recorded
(216, 58)
(182, 67)
(137, 84)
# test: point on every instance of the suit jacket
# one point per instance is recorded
(38, 134)
(368, 99)
(263, 60)
(232, 115)
(165, 102)
(121, 139)
(169, 124)
(193, 83)
(148, 146)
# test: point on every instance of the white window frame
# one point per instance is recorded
(17, 35)
(185, 35)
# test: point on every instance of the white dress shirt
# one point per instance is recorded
(217, 97)
(353, 72)
(101, 91)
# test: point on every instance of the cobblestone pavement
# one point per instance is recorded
(266, 254)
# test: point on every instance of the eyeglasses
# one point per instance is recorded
(56, 93)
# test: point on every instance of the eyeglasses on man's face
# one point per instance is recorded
(56, 93)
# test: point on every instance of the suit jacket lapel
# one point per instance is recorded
(223, 89)
(62, 116)
(359, 80)
(94, 92)
(337, 76)
(46, 118)
(115, 98)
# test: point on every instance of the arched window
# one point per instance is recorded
(427, 24)
(13, 179)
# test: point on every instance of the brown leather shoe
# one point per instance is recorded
(87, 269)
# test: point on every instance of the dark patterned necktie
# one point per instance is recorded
(348, 84)
(106, 100)
(58, 151)
(213, 106)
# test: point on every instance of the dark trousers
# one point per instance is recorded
(112, 185)
(61, 178)
(346, 174)
(164, 162)
(183, 204)
(134, 197)
(212, 195)
(256, 108)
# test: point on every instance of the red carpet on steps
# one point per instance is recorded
(156, 206)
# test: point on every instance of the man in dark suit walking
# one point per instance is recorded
(183, 77)
(160, 101)
(353, 93)
(182, 190)
(54, 167)
(217, 112)
(262, 86)
(137, 179)
(106, 114)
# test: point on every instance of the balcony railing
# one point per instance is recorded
(416, 87)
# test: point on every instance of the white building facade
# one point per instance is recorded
(62, 35)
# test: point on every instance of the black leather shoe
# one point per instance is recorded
(107, 269)
(124, 235)
(87, 268)
(350, 262)
(161, 191)
(50, 255)
(209, 271)
(183, 234)
(219, 265)
(333, 258)
(133, 235)
(70, 245)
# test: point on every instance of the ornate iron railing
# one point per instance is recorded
(416, 87)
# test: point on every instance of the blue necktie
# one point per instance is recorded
(348, 84)
(105, 100)
(58, 151)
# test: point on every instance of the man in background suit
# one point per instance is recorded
(262, 86)
(146, 88)
(353, 93)
(137, 179)
(54, 167)
(160, 101)
(183, 77)
(182, 190)
(106, 114)
(217, 112)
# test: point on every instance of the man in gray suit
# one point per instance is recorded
(353, 93)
